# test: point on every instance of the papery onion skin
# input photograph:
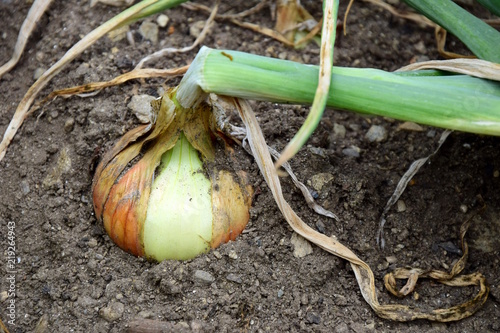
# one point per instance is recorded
(122, 202)
(230, 203)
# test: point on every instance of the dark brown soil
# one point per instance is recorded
(72, 275)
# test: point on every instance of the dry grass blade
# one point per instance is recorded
(36, 11)
(451, 279)
(115, 3)
(440, 34)
(403, 14)
(493, 22)
(255, 9)
(400, 188)
(134, 74)
(3, 328)
(199, 39)
(234, 18)
(473, 67)
(362, 271)
(263, 30)
(23, 107)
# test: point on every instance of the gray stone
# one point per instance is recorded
(313, 318)
(149, 31)
(162, 20)
(203, 276)
(69, 124)
(321, 179)
(38, 72)
(234, 278)
(113, 311)
(401, 206)
(86, 302)
(376, 133)
(338, 131)
(351, 151)
(301, 247)
(140, 105)
(25, 187)
(196, 28)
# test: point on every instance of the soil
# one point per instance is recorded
(72, 278)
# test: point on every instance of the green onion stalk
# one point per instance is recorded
(456, 102)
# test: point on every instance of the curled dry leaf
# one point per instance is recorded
(473, 67)
(158, 199)
(35, 13)
(115, 3)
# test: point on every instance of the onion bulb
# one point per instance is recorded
(159, 193)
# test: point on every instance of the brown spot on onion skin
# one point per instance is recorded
(230, 205)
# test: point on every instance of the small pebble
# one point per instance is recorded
(318, 151)
(146, 314)
(149, 31)
(382, 266)
(203, 276)
(280, 293)
(450, 247)
(3, 296)
(234, 278)
(301, 247)
(352, 151)
(68, 125)
(391, 259)
(420, 47)
(410, 126)
(92, 242)
(25, 187)
(140, 105)
(339, 131)
(463, 208)
(321, 179)
(496, 174)
(401, 206)
(38, 72)
(376, 133)
(313, 318)
(355, 127)
(320, 226)
(162, 20)
(39, 56)
(53, 114)
(196, 28)
(232, 254)
(113, 311)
